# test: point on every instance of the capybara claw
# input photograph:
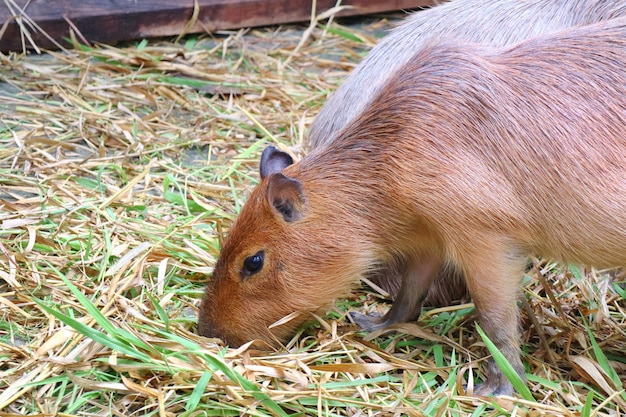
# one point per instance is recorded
(366, 322)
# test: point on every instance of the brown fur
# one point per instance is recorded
(493, 155)
(498, 23)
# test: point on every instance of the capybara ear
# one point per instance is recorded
(273, 161)
(285, 195)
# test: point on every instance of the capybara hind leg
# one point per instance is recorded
(408, 304)
(388, 278)
(447, 287)
(493, 277)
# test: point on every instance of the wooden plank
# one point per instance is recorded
(109, 21)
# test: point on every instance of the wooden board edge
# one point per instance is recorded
(110, 23)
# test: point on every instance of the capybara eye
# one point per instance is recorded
(252, 264)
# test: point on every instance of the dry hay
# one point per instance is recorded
(121, 168)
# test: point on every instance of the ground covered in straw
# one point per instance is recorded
(120, 170)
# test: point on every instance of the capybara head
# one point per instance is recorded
(278, 260)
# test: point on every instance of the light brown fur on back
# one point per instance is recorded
(496, 23)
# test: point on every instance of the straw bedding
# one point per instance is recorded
(121, 169)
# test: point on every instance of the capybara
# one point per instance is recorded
(472, 158)
(498, 23)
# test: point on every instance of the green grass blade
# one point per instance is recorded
(586, 410)
(604, 363)
(198, 391)
(346, 34)
(518, 383)
(96, 335)
(96, 314)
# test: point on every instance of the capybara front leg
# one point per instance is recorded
(493, 278)
(407, 306)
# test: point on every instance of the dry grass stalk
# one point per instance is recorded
(121, 167)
